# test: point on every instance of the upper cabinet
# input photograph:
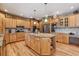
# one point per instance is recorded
(7, 23)
(77, 20)
(14, 23)
(72, 21)
(27, 23)
(20, 22)
(68, 21)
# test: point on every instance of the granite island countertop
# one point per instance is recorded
(43, 35)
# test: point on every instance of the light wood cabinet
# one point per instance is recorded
(72, 21)
(20, 36)
(41, 45)
(45, 46)
(7, 38)
(77, 20)
(20, 22)
(37, 45)
(13, 37)
(62, 38)
(27, 24)
(14, 23)
(7, 23)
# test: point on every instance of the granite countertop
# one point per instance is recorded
(77, 36)
(43, 35)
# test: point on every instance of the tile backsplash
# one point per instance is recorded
(68, 30)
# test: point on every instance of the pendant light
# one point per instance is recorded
(34, 16)
(46, 16)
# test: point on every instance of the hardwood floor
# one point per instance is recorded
(20, 49)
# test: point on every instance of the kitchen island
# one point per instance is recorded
(42, 43)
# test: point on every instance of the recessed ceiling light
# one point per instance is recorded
(31, 17)
(72, 7)
(21, 14)
(57, 12)
(6, 10)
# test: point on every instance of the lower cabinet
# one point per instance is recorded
(7, 38)
(20, 36)
(13, 37)
(62, 38)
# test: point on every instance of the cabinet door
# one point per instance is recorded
(59, 37)
(32, 42)
(11, 40)
(28, 40)
(7, 23)
(77, 20)
(20, 22)
(65, 39)
(72, 21)
(45, 46)
(20, 36)
(14, 23)
(37, 45)
(7, 38)
(12, 37)
(11, 23)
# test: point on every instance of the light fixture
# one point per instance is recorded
(34, 13)
(46, 20)
(46, 16)
(6, 10)
(57, 12)
(34, 22)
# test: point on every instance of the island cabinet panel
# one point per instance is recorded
(28, 40)
(32, 42)
(40, 44)
(45, 45)
(37, 45)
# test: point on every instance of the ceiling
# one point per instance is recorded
(27, 9)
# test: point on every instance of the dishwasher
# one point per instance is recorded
(74, 40)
